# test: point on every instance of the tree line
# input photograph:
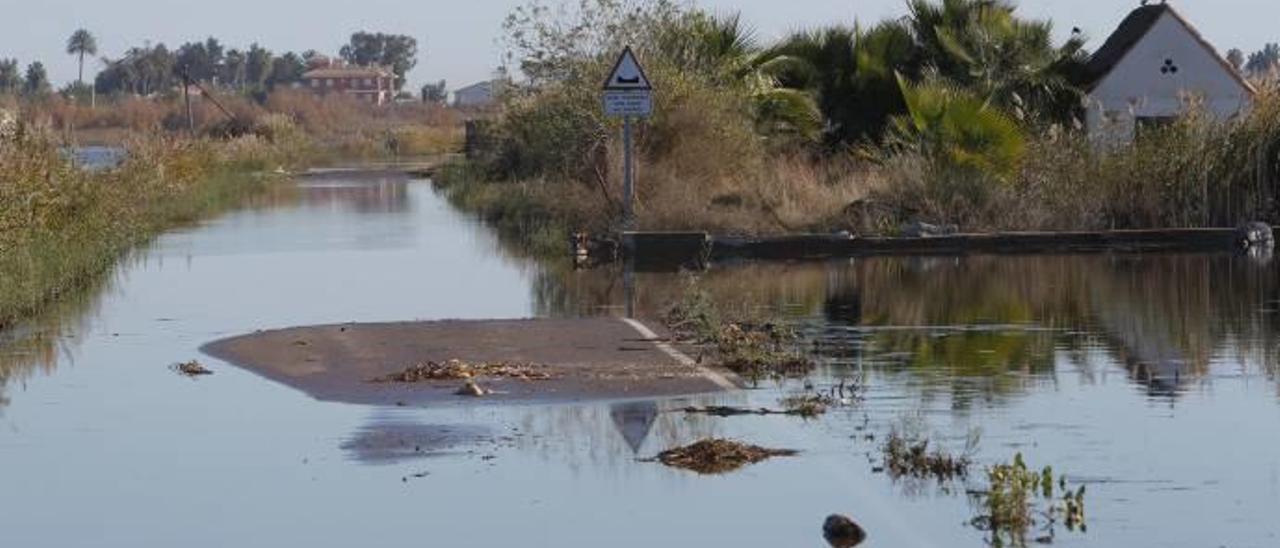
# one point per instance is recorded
(1261, 64)
(148, 69)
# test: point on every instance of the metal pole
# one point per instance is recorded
(628, 213)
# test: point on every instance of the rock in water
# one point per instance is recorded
(1255, 234)
(920, 229)
(842, 532)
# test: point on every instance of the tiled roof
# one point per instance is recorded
(348, 72)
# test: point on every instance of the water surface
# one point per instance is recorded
(1153, 380)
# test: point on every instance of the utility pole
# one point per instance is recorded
(186, 98)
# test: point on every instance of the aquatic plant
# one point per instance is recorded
(1017, 494)
(694, 315)
(908, 455)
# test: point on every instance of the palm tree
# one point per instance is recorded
(983, 45)
(724, 49)
(851, 73)
(80, 44)
(958, 128)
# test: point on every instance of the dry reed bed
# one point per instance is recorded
(63, 228)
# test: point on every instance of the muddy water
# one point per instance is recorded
(1151, 380)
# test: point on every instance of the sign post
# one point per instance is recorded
(628, 94)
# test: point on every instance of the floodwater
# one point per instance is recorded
(1153, 380)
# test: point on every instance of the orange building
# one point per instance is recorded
(370, 84)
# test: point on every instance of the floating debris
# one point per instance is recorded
(474, 390)
(191, 369)
(912, 458)
(809, 405)
(459, 370)
(729, 411)
(718, 456)
(841, 532)
(761, 351)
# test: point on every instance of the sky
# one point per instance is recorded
(457, 39)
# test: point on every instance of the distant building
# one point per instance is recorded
(477, 95)
(1151, 70)
(369, 84)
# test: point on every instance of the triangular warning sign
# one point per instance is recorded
(627, 73)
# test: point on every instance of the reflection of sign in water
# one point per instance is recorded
(634, 420)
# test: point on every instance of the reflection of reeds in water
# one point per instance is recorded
(991, 322)
(36, 345)
(37, 342)
(1168, 317)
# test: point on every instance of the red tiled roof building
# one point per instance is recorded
(369, 84)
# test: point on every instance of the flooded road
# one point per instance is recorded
(1154, 381)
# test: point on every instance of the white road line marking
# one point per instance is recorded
(712, 375)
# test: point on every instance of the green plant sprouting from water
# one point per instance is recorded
(1018, 495)
(755, 347)
(694, 316)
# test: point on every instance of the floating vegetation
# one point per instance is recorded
(731, 411)
(1017, 495)
(761, 351)
(754, 349)
(718, 456)
(909, 456)
(460, 370)
(192, 368)
(808, 405)
(473, 390)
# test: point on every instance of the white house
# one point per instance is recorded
(1151, 70)
(477, 95)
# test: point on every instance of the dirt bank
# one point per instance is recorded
(597, 358)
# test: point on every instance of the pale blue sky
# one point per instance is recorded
(458, 37)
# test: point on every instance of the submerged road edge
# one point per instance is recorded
(675, 354)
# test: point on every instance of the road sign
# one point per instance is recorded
(628, 94)
(635, 102)
(627, 74)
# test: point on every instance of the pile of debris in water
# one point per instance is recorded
(192, 368)
(453, 370)
(718, 456)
